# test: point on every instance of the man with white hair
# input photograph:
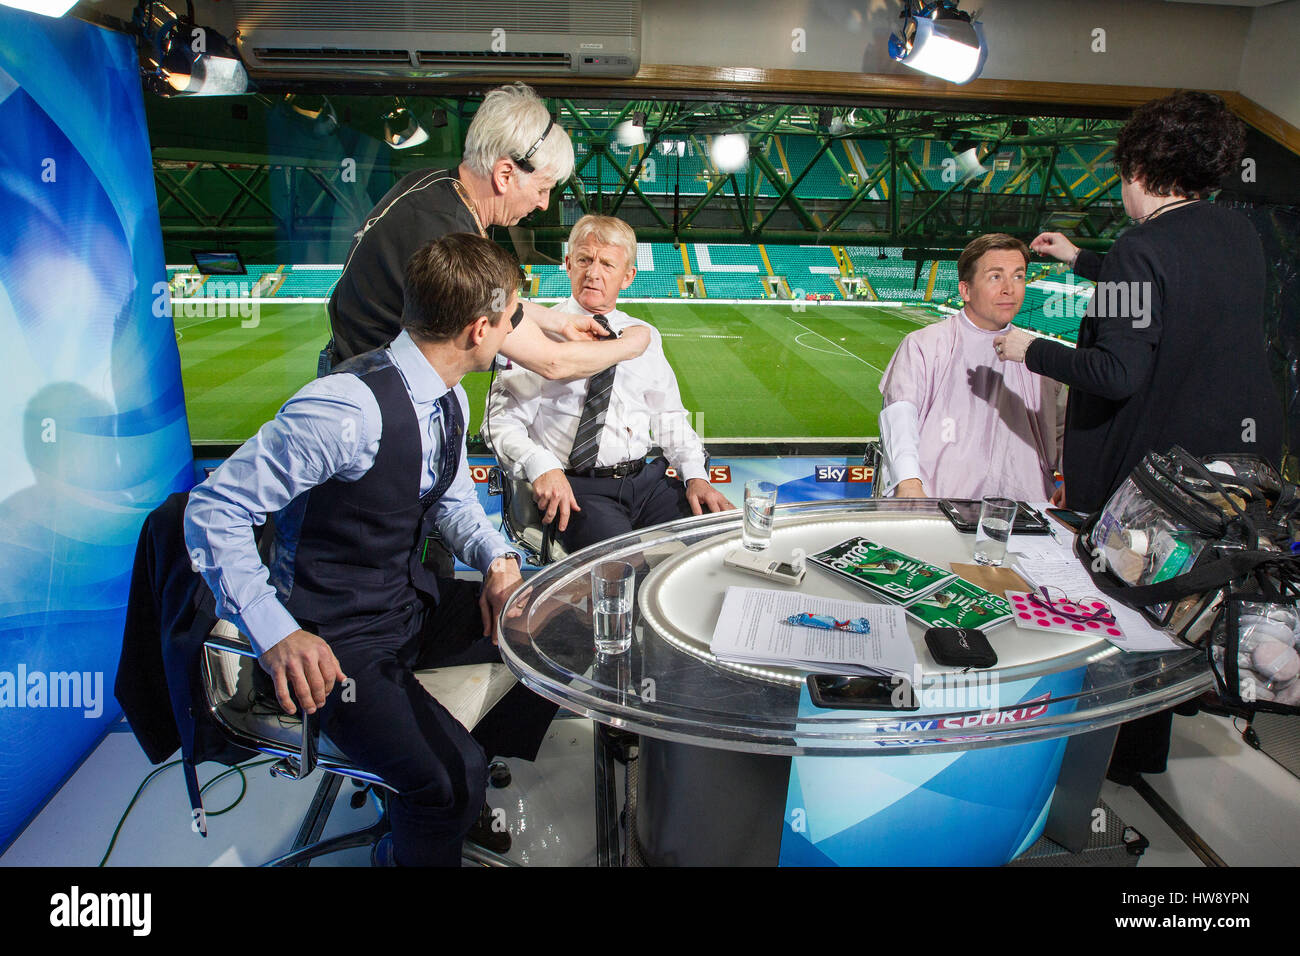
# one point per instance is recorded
(514, 155)
(583, 443)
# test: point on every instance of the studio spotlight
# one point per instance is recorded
(49, 8)
(402, 130)
(317, 111)
(673, 147)
(1019, 127)
(730, 152)
(178, 57)
(969, 165)
(941, 40)
(438, 120)
(631, 132)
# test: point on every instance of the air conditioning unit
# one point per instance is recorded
(413, 39)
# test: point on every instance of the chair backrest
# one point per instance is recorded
(873, 459)
(522, 522)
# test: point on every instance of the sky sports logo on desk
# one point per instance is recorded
(843, 473)
(1026, 710)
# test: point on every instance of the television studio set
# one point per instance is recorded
(921, 493)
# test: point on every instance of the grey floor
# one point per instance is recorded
(1244, 806)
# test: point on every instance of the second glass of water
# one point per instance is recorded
(613, 584)
(760, 505)
(996, 516)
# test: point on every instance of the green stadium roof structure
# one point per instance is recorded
(250, 170)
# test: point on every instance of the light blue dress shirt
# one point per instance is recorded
(329, 429)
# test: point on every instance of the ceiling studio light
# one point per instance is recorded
(729, 152)
(178, 57)
(941, 40)
(49, 8)
(969, 165)
(631, 132)
(402, 130)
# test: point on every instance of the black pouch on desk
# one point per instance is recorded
(960, 647)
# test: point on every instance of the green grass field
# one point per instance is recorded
(752, 371)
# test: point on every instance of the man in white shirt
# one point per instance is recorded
(958, 421)
(583, 444)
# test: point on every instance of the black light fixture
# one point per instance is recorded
(1019, 127)
(439, 119)
(180, 58)
(941, 40)
(317, 111)
(402, 130)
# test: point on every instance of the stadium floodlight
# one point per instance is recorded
(402, 130)
(940, 40)
(178, 57)
(729, 152)
(48, 8)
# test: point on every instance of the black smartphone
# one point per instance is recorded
(1071, 519)
(862, 692)
(965, 516)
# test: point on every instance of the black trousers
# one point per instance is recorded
(614, 506)
(391, 726)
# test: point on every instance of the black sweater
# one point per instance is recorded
(1171, 351)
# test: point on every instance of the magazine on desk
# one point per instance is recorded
(930, 595)
(898, 578)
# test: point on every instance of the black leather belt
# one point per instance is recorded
(624, 469)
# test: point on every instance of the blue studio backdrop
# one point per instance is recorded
(92, 419)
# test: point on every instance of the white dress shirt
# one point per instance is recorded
(531, 421)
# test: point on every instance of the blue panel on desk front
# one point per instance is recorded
(959, 808)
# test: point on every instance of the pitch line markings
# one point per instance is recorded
(834, 344)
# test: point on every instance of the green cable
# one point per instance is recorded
(243, 789)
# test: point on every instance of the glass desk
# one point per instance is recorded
(974, 768)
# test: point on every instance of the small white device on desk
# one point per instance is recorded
(766, 565)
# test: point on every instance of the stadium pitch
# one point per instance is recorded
(747, 371)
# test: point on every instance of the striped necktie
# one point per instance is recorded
(586, 442)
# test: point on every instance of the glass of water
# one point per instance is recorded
(760, 504)
(996, 516)
(613, 584)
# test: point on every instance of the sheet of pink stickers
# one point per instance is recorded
(1034, 618)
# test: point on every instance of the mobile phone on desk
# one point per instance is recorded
(1071, 519)
(862, 692)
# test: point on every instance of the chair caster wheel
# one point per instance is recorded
(499, 774)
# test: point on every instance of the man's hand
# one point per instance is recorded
(702, 495)
(582, 328)
(909, 488)
(554, 497)
(1013, 346)
(498, 584)
(1055, 244)
(1058, 496)
(305, 662)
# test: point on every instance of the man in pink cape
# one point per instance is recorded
(958, 421)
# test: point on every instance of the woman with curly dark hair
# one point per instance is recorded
(1172, 348)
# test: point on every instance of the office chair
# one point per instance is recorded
(252, 722)
(873, 458)
(520, 519)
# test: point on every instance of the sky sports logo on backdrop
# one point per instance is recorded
(843, 473)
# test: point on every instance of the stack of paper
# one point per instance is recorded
(1060, 569)
(752, 629)
(930, 595)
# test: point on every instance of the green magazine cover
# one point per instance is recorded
(960, 604)
(895, 576)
